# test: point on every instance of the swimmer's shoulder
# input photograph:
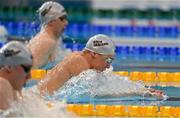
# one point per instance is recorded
(75, 59)
(76, 56)
(77, 63)
(41, 43)
(41, 38)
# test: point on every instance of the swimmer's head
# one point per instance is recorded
(3, 34)
(49, 11)
(101, 44)
(15, 53)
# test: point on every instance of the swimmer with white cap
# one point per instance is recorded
(44, 45)
(98, 54)
(15, 66)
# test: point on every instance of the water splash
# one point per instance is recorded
(61, 52)
(102, 87)
(100, 84)
(66, 37)
(32, 105)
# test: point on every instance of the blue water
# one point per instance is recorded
(141, 58)
(156, 63)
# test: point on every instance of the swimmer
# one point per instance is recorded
(98, 54)
(15, 65)
(44, 46)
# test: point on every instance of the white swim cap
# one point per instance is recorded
(101, 44)
(49, 11)
(15, 53)
(3, 34)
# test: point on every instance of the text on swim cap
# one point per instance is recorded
(45, 11)
(9, 53)
(99, 43)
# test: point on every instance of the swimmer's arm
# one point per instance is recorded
(54, 80)
(147, 92)
(62, 73)
(154, 93)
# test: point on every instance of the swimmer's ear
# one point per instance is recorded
(93, 55)
(50, 23)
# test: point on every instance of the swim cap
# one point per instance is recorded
(15, 53)
(3, 34)
(49, 11)
(101, 44)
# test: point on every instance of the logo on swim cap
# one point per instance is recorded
(12, 52)
(99, 43)
(15, 53)
(45, 11)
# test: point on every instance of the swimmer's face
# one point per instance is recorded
(59, 24)
(20, 75)
(62, 23)
(101, 62)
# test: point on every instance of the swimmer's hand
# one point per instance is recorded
(155, 93)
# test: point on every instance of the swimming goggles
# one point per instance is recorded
(109, 60)
(26, 68)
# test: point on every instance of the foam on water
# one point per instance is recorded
(100, 84)
(61, 52)
(32, 105)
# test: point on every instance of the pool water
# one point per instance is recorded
(173, 100)
(141, 63)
